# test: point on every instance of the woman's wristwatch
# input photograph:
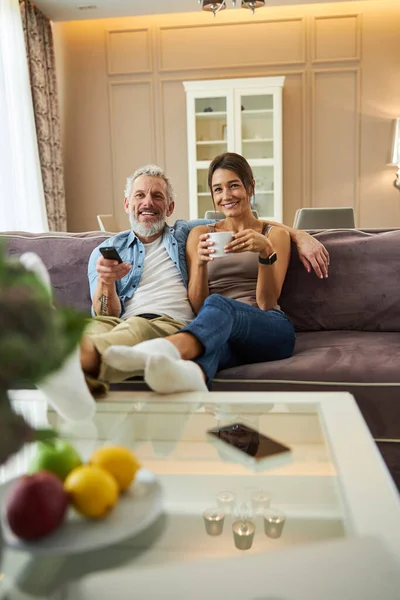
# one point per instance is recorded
(269, 260)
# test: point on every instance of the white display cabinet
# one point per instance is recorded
(236, 115)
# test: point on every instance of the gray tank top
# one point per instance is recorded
(235, 275)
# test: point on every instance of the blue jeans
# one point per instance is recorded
(234, 333)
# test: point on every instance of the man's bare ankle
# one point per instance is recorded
(90, 357)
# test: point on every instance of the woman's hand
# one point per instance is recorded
(204, 250)
(249, 240)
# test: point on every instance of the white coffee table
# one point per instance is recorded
(337, 485)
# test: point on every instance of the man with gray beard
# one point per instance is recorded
(145, 296)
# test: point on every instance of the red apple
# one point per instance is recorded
(36, 505)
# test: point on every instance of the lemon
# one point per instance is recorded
(119, 461)
(92, 491)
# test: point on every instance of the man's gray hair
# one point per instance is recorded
(150, 171)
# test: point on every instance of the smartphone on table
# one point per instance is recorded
(110, 253)
(241, 443)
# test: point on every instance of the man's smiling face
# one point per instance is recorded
(148, 206)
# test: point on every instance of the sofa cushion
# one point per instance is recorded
(362, 291)
(366, 364)
(66, 257)
(336, 356)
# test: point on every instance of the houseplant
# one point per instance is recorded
(35, 340)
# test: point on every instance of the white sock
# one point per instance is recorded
(133, 358)
(167, 376)
(67, 392)
(33, 262)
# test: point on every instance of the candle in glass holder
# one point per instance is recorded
(243, 534)
(260, 500)
(226, 502)
(214, 521)
(274, 520)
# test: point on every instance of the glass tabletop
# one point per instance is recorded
(197, 475)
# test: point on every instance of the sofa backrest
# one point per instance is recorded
(362, 291)
(66, 256)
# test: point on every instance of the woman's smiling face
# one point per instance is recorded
(229, 193)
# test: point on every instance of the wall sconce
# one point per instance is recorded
(215, 6)
(395, 154)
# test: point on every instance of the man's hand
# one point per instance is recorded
(110, 271)
(312, 253)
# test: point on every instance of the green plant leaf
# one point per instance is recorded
(45, 435)
(35, 340)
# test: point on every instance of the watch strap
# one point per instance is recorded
(269, 260)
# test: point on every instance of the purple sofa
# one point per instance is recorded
(348, 326)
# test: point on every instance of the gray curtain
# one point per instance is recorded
(42, 71)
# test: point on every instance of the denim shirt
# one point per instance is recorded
(131, 250)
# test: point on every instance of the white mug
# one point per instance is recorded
(220, 239)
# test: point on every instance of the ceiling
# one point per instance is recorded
(67, 10)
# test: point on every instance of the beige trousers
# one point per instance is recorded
(112, 331)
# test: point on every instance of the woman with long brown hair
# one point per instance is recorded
(235, 297)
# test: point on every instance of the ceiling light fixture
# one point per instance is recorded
(215, 6)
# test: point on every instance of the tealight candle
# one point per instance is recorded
(214, 521)
(226, 502)
(260, 500)
(274, 520)
(243, 534)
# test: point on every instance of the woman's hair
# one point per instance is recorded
(236, 163)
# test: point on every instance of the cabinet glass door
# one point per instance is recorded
(255, 129)
(212, 136)
(211, 127)
(204, 200)
(263, 200)
(257, 126)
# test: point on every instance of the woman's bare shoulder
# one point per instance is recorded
(198, 230)
(269, 229)
(279, 233)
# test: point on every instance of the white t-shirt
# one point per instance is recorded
(161, 290)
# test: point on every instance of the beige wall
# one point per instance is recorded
(123, 102)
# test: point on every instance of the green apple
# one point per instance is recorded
(56, 456)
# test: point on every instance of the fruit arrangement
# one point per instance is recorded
(36, 504)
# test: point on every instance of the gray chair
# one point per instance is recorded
(215, 214)
(324, 218)
(108, 223)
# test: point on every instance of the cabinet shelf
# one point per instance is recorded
(210, 142)
(261, 111)
(203, 164)
(261, 162)
(256, 140)
(211, 115)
